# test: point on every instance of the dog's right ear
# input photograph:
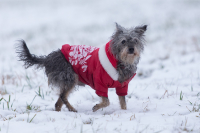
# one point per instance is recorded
(140, 29)
(119, 28)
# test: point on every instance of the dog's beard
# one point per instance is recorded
(129, 58)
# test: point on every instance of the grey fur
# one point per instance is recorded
(126, 46)
(59, 72)
(134, 38)
(28, 58)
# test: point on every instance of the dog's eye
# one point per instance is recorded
(136, 41)
(123, 41)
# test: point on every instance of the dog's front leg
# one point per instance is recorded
(104, 103)
(122, 102)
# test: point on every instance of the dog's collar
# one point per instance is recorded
(108, 61)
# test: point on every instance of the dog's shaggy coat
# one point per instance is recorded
(126, 45)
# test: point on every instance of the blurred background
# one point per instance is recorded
(46, 25)
(173, 26)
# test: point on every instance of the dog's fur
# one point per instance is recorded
(126, 45)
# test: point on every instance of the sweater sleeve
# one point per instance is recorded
(101, 90)
(122, 91)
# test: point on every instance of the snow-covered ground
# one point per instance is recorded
(163, 97)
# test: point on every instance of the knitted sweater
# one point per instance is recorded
(95, 67)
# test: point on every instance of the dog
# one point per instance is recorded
(111, 66)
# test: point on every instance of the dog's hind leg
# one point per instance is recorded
(104, 103)
(59, 104)
(64, 98)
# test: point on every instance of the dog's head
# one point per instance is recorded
(127, 44)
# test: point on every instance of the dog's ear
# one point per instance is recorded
(119, 28)
(140, 29)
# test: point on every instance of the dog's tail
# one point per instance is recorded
(28, 58)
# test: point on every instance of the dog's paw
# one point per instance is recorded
(96, 107)
(58, 109)
(72, 110)
(124, 108)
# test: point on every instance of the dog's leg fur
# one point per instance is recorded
(104, 103)
(122, 102)
(64, 98)
(59, 104)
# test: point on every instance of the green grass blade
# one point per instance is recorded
(32, 118)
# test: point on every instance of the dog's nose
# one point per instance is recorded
(131, 50)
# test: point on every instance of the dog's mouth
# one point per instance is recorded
(135, 54)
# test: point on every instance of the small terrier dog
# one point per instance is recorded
(111, 66)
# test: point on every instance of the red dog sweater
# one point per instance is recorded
(95, 67)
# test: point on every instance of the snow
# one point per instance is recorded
(163, 97)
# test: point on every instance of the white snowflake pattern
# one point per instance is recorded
(80, 54)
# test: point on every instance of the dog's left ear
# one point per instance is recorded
(119, 28)
(140, 29)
